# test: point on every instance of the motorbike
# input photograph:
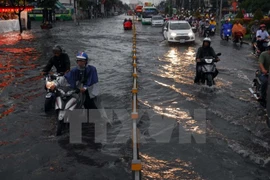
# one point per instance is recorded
(207, 30)
(255, 90)
(66, 99)
(238, 38)
(212, 30)
(208, 70)
(194, 27)
(226, 34)
(259, 50)
(50, 95)
(127, 26)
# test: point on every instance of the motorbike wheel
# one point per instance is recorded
(209, 80)
(227, 38)
(47, 105)
(59, 126)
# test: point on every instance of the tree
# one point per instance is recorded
(239, 15)
(258, 15)
(253, 5)
(21, 4)
(47, 3)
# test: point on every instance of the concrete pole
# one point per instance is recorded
(220, 14)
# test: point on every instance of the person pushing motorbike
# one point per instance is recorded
(60, 61)
(84, 79)
(203, 51)
(264, 63)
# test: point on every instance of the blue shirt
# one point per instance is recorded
(264, 34)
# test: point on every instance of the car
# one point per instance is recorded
(178, 31)
(157, 21)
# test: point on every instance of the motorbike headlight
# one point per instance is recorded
(49, 84)
(173, 34)
(190, 34)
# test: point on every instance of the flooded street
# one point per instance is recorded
(230, 143)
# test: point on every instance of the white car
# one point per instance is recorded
(178, 31)
(157, 21)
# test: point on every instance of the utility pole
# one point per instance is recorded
(220, 14)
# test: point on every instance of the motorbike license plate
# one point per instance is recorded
(182, 41)
(49, 95)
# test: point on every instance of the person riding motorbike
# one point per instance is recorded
(238, 31)
(127, 24)
(84, 79)
(213, 22)
(253, 30)
(201, 26)
(264, 63)
(262, 35)
(213, 25)
(203, 51)
(227, 25)
(60, 61)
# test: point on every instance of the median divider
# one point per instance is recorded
(136, 165)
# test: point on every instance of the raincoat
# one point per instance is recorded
(127, 24)
(238, 28)
(213, 23)
(226, 26)
(76, 78)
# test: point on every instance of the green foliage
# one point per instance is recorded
(238, 19)
(239, 14)
(47, 3)
(83, 4)
(197, 14)
(253, 5)
(258, 15)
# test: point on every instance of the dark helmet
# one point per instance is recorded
(57, 48)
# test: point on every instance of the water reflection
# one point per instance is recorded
(12, 38)
(154, 168)
(15, 63)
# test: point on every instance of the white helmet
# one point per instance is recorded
(207, 39)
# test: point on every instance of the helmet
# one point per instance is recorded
(262, 25)
(212, 19)
(57, 48)
(207, 39)
(82, 56)
(256, 21)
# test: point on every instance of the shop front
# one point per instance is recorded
(9, 19)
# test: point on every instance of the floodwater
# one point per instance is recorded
(230, 137)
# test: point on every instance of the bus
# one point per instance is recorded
(60, 14)
(147, 13)
(138, 11)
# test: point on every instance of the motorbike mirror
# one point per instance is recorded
(218, 54)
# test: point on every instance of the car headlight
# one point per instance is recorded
(190, 34)
(173, 34)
